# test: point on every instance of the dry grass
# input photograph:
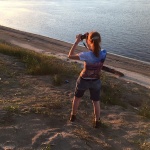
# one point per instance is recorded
(39, 64)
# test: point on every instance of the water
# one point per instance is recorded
(124, 24)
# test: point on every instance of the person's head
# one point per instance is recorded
(93, 41)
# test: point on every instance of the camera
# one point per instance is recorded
(84, 36)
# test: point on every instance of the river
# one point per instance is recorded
(124, 25)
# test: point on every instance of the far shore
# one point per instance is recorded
(60, 49)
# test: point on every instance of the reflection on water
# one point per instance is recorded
(124, 25)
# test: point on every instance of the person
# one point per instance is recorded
(89, 77)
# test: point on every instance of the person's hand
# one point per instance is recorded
(78, 38)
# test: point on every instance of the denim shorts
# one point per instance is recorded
(94, 87)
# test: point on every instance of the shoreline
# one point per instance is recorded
(60, 49)
(5, 28)
(25, 33)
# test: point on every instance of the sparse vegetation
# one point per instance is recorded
(111, 92)
(83, 134)
(57, 80)
(144, 110)
(12, 109)
(39, 64)
(47, 147)
(22, 93)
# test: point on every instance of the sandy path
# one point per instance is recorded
(134, 71)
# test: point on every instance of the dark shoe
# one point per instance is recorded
(72, 118)
(97, 124)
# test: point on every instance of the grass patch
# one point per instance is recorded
(111, 92)
(48, 147)
(39, 64)
(145, 110)
(57, 80)
(83, 134)
(12, 109)
(143, 144)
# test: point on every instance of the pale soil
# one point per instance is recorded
(34, 114)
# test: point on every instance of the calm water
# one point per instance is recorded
(124, 24)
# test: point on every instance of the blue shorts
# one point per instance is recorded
(94, 86)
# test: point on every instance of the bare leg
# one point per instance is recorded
(75, 105)
(96, 106)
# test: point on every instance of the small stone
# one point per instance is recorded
(66, 81)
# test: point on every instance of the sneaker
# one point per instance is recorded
(97, 124)
(72, 118)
